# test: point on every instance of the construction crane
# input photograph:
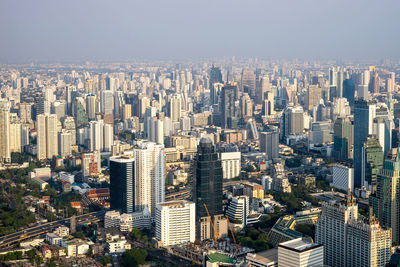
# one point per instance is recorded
(212, 224)
(233, 236)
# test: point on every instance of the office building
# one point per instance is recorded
(364, 113)
(91, 163)
(300, 253)
(230, 164)
(343, 138)
(269, 144)
(207, 189)
(293, 121)
(230, 112)
(372, 162)
(313, 96)
(107, 102)
(91, 106)
(268, 108)
(175, 222)
(122, 184)
(249, 82)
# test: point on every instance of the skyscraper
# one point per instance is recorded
(364, 112)
(15, 133)
(215, 76)
(293, 121)
(207, 189)
(149, 176)
(229, 112)
(343, 138)
(122, 184)
(349, 241)
(349, 89)
(175, 107)
(5, 153)
(269, 143)
(371, 162)
(91, 106)
(47, 136)
(313, 96)
(249, 82)
(386, 200)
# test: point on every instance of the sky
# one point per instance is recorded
(100, 30)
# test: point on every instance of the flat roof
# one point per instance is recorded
(218, 257)
(298, 245)
(267, 256)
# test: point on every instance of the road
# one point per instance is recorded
(44, 228)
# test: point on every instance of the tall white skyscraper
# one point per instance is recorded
(149, 176)
(91, 106)
(175, 222)
(15, 133)
(106, 102)
(175, 107)
(100, 135)
(5, 153)
(64, 142)
(47, 136)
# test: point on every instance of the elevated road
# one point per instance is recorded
(44, 228)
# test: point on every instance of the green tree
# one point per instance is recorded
(134, 257)
(106, 260)
(136, 234)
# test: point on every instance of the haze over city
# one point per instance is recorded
(102, 30)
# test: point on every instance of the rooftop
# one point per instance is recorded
(298, 245)
(218, 257)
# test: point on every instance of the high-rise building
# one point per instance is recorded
(207, 189)
(249, 82)
(246, 106)
(349, 89)
(175, 107)
(230, 164)
(239, 209)
(368, 244)
(101, 136)
(342, 177)
(386, 200)
(5, 153)
(293, 121)
(149, 176)
(64, 143)
(371, 162)
(364, 113)
(229, 112)
(15, 133)
(175, 222)
(91, 106)
(215, 77)
(25, 112)
(269, 143)
(349, 241)
(268, 104)
(91, 163)
(47, 136)
(331, 230)
(122, 184)
(106, 102)
(313, 96)
(343, 138)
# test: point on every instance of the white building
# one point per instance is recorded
(118, 245)
(100, 136)
(112, 219)
(175, 222)
(5, 153)
(139, 219)
(62, 231)
(47, 136)
(149, 176)
(238, 209)
(343, 177)
(300, 253)
(230, 164)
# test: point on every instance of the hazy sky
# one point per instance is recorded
(178, 29)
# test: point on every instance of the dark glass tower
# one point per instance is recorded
(122, 184)
(230, 114)
(215, 76)
(208, 180)
(342, 138)
(364, 111)
(349, 89)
